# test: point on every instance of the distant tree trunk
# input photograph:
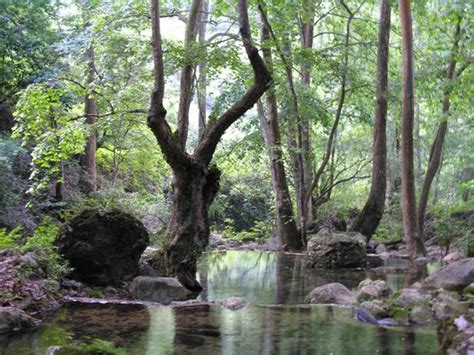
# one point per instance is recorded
(287, 231)
(307, 35)
(202, 68)
(414, 243)
(88, 159)
(196, 180)
(340, 104)
(295, 128)
(437, 147)
(369, 219)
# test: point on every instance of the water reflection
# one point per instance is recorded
(265, 277)
(273, 323)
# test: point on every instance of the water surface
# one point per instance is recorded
(275, 321)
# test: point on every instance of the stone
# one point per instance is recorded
(15, 320)
(375, 307)
(381, 248)
(452, 257)
(454, 277)
(158, 289)
(420, 314)
(410, 297)
(103, 247)
(447, 305)
(374, 260)
(369, 290)
(333, 293)
(335, 223)
(365, 317)
(234, 303)
(468, 291)
(336, 250)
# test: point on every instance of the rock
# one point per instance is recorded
(335, 223)
(374, 260)
(15, 320)
(420, 314)
(468, 292)
(375, 307)
(452, 257)
(333, 293)
(158, 289)
(455, 276)
(370, 290)
(336, 250)
(381, 248)
(103, 248)
(72, 285)
(365, 317)
(234, 303)
(410, 297)
(447, 305)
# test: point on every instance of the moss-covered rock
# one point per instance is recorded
(336, 250)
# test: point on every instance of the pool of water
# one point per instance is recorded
(275, 321)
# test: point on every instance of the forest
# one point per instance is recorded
(236, 177)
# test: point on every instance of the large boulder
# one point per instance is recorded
(454, 277)
(158, 289)
(15, 320)
(103, 248)
(333, 293)
(336, 250)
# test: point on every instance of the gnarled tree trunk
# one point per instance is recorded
(196, 181)
(370, 216)
(194, 190)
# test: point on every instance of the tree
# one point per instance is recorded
(28, 48)
(88, 159)
(370, 216)
(414, 243)
(202, 67)
(286, 225)
(196, 180)
(435, 157)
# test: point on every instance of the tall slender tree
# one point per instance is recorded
(434, 161)
(286, 225)
(370, 216)
(414, 243)
(88, 159)
(196, 180)
(202, 68)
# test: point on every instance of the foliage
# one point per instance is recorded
(27, 44)
(44, 121)
(9, 239)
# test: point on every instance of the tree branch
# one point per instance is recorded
(262, 81)
(172, 152)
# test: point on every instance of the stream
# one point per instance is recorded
(274, 322)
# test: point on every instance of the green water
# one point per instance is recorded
(274, 322)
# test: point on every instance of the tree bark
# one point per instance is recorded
(370, 216)
(202, 68)
(437, 147)
(196, 181)
(88, 159)
(414, 243)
